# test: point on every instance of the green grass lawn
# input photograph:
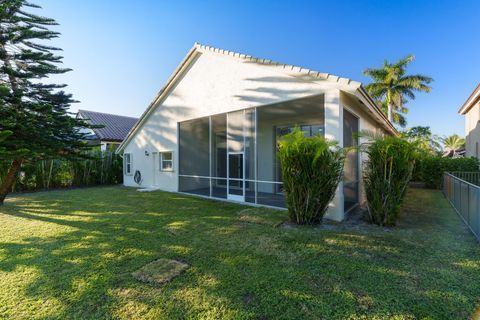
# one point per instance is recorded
(71, 254)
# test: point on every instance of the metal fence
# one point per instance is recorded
(463, 191)
(472, 177)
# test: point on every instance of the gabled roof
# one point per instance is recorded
(471, 101)
(312, 74)
(307, 74)
(116, 127)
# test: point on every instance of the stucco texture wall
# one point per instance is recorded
(472, 131)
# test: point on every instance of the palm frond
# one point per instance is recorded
(377, 90)
(376, 74)
(369, 135)
(402, 63)
(417, 78)
(405, 91)
(453, 142)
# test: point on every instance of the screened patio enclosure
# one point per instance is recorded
(234, 155)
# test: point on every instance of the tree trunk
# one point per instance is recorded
(6, 186)
(50, 174)
(390, 113)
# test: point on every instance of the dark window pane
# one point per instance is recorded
(219, 146)
(250, 191)
(219, 188)
(167, 165)
(267, 194)
(194, 156)
(350, 170)
(235, 165)
(167, 156)
(199, 186)
(250, 144)
(235, 187)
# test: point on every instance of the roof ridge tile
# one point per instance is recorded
(314, 73)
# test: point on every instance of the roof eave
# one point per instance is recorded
(471, 101)
(387, 124)
(171, 80)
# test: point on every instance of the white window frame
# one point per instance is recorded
(162, 160)
(125, 164)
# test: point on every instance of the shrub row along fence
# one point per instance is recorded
(100, 168)
(430, 169)
(464, 196)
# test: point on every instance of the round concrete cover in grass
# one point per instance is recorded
(160, 271)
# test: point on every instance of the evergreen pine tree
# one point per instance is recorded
(35, 113)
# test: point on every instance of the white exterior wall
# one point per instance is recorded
(472, 131)
(215, 84)
(334, 131)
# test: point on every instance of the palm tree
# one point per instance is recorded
(453, 143)
(423, 137)
(397, 113)
(393, 87)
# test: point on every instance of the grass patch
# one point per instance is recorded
(71, 254)
(160, 271)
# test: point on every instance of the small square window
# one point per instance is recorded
(166, 161)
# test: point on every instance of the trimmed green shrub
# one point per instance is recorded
(386, 176)
(431, 168)
(311, 170)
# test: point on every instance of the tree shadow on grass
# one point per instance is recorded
(241, 267)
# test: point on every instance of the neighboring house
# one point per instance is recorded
(115, 128)
(471, 110)
(454, 153)
(213, 128)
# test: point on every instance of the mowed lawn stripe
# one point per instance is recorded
(71, 254)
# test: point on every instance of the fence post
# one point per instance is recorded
(468, 204)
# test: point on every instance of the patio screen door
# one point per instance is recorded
(236, 190)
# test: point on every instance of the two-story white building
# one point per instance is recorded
(471, 110)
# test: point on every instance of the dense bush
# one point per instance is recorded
(311, 170)
(431, 168)
(386, 176)
(100, 168)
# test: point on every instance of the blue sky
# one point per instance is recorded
(123, 51)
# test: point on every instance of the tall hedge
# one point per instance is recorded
(311, 170)
(431, 168)
(100, 168)
(386, 176)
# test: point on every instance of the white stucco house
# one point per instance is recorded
(471, 110)
(212, 130)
